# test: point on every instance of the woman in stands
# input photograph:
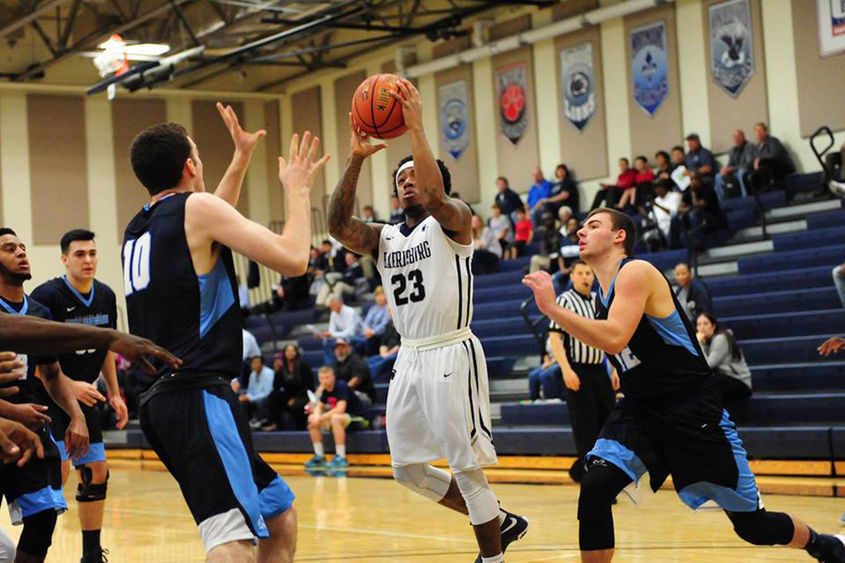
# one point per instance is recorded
(294, 378)
(725, 357)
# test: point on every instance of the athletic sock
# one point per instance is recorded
(340, 450)
(90, 540)
(494, 559)
(318, 449)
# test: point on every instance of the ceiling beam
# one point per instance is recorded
(23, 21)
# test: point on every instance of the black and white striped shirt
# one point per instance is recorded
(576, 351)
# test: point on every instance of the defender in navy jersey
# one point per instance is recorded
(78, 298)
(34, 491)
(180, 287)
(671, 421)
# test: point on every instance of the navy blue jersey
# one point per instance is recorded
(67, 305)
(196, 317)
(663, 357)
(30, 388)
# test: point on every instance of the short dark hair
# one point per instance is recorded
(496, 206)
(75, 234)
(620, 222)
(578, 262)
(505, 180)
(677, 148)
(664, 154)
(7, 231)
(444, 171)
(625, 158)
(565, 168)
(641, 157)
(260, 358)
(158, 156)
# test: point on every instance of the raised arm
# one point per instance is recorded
(229, 188)
(453, 214)
(354, 234)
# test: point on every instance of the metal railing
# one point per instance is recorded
(539, 335)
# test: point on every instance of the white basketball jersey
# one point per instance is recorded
(427, 279)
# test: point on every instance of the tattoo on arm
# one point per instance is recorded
(351, 231)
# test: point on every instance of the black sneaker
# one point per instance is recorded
(829, 549)
(513, 528)
(98, 556)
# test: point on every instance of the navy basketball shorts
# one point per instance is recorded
(35, 487)
(693, 440)
(206, 445)
(96, 448)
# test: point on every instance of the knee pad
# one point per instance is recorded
(37, 534)
(763, 528)
(481, 502)
(423, 479)
(87, 491)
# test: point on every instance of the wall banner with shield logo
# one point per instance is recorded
(578, 84)
(513, 101)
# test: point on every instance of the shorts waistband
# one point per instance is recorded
(182, 381)
(439, 341)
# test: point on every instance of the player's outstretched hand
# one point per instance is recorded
(87, 393)
(76, 438)
(831, 346)
(300, 169)
(409, 97)
(245, 142)
(136, 349)
(11, 369)
(18, 444)
(359, 141)
(544, 290)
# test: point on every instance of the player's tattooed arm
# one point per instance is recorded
(354, 234)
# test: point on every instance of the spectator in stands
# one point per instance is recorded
(382, 363)
(336, 408)
(664, 165)
(546, 376)
(725, 357)
(250, 350)
(679, 157)
(353, 369)
(375, 323)
(735, 173)
(772, 164)
(319, 265)
(503, 229)
(698, 214)
(507, 199)
(292, 380)
(549, 245)
(345, 285)
(488, 251)
(564, 191)
(243, 297)
(368, 214)
(641, 190)
(611, 193)
(254, 398)
(569, 250)
(699, 160)
(589, 390)
(538, 194)
(524, 233)
(664, 206)
(564, 214)
(693, 294)
(344, 322)
(396, 214)
(833, 175)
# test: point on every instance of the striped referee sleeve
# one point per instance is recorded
(561, 302)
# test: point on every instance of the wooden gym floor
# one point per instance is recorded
(354, 519)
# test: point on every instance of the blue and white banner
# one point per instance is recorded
(454, 117)
(731, 45)
(831, 15)
(649, 65)
(578, 84)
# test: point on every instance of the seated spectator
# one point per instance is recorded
(292, 380)
(664, 165)
(507, 199)
(611, 193)
(375, 323)
(772, 164)
(524, 234)
(344, 322)
(538, 194)
(570, 250)
(725, 357)
(641, 190)
(735, 173)
(692, 293)
(382, 363)
(564, 214)
(549, 245)
(699, 160)
(564, 191)
(243, 297)
(250, 350)
(254, 398)
(319, 265)
(345, 285)
(351, 368)
(663, 207)
(502, 228)
(336, 409)
(397, 214)
(679, 157)
(833, 175)
(368, 214)
(488, 251)
(546, 377)
(698, 214)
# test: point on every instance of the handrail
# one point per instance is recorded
(820, 154)
(532, 326)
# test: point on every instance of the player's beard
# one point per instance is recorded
(12, 277)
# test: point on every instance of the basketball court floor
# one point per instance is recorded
(348, 519)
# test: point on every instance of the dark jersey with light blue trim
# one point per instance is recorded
(30, 388)
(67, 305)
(196, 317)
(663, 356)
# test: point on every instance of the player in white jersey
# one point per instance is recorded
(438, 405)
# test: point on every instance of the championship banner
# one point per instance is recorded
(578, 84)
(513, 101)
(454, 117)
(831, 15)
(649, 66)
(731, 49)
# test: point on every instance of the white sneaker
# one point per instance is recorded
(837, 188)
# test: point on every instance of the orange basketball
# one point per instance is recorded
(375, 111)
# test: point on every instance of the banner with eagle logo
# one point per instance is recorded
(649, 66)
(731, 47)
(454, 117)
(578, 84)
(513, 101)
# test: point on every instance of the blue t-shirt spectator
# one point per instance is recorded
(538, 191)
(341, 392)
(699, 157)
(377, 319)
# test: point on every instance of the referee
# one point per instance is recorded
(589, 391)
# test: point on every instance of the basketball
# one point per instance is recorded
(375, 111)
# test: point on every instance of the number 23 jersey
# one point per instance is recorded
(427, 279)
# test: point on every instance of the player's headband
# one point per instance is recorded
(409, 164)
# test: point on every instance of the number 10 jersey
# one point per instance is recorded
(427, 278)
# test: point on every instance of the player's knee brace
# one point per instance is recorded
(601, 483)
(479, 497)
(87, 491)
(37, 534)
(423, 479)
(762, 527)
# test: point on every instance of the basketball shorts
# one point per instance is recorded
(96, 449)
(438, 406)
(693, 440)
(35, 487)
(203, 441)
